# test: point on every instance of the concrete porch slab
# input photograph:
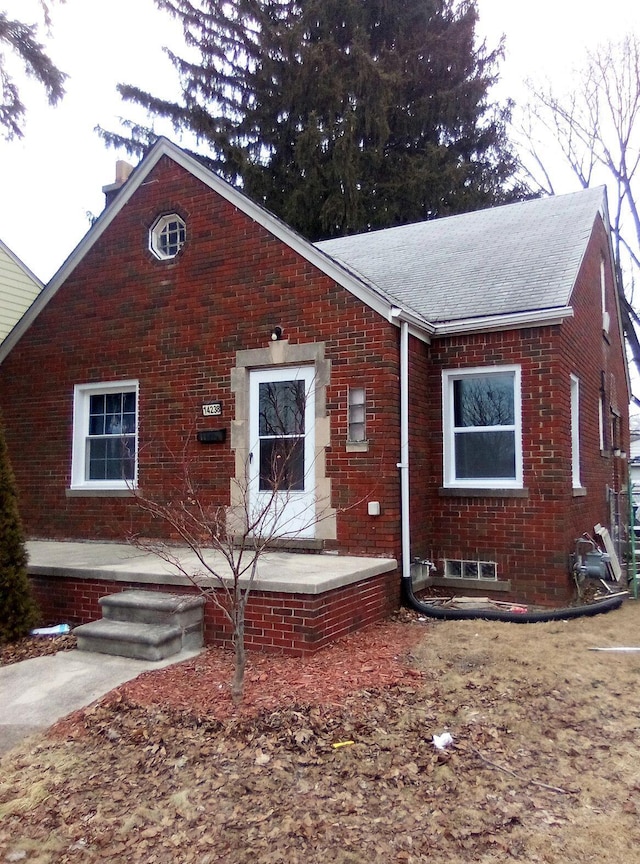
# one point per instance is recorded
(286, 572)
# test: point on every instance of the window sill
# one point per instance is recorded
(357, 446)
(469, 584)
(87, 492)
(579, 491)
(285, 544)
(463, 492)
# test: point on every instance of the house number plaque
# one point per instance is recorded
(212, 409)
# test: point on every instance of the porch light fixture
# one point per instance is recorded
(276, 334)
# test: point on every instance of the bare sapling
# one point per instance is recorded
(226, 543)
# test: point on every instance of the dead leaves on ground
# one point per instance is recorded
(542, 768)
(271, 787)
(268, 788)
(35, 646)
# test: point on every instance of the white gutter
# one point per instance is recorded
(403, 464)
(512, 321)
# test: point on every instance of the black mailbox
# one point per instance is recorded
(212, 436)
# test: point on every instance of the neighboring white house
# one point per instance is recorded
(18, 289)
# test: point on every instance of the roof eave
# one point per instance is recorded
(418, 327)
(509, 321)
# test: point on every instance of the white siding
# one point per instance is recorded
(18, 289)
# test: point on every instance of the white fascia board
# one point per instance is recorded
(419, 328)
(90, 238)
(361, 288)
(363, 291)
(511, 321)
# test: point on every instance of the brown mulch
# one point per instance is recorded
(371, 659)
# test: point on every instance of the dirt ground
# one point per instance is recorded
(332, 759)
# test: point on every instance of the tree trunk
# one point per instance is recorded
(237, 684)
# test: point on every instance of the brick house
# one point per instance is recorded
(464, 381)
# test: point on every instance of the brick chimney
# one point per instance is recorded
(123, 170)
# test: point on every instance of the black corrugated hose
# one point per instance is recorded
(607, 604)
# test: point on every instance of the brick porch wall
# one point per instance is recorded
(276, 622)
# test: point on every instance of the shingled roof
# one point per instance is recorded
(509, 259)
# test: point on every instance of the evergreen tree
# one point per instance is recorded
(18, 610)
(22, 40)
(341, 115)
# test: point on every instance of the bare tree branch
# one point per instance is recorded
(595, 127)
(226, 542)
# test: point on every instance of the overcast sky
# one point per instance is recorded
(51, 180)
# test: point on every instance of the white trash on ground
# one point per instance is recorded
(441, 742)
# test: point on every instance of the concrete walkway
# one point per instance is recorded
(35, 693)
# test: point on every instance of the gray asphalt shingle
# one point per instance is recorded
(514, 258)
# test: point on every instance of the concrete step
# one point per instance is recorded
(130, 639)
(152, 607)
(148, 625)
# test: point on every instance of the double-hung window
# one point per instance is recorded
(482, 427)
(105, 435)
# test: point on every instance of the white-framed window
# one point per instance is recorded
(357, 430)
(601, 425)
(575, 432)
(167, 236)
(105, 435)
(603, 296)
(482, 427)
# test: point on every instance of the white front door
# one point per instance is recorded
(281, 461)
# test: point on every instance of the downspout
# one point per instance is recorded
(403, 465)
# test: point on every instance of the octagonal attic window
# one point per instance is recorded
(167, 236)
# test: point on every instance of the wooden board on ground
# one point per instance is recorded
(614, 564)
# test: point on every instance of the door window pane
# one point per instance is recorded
(281, 408)
(282, 464)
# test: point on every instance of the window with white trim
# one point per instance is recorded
(603, 296)
(105, 435)
(167, 236)
(601, 425)
(575, 432)
(482, 427)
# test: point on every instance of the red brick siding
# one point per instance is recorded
(176, 326)
(532, 538)
(424, 435)
(294, 624)
(595, 360)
